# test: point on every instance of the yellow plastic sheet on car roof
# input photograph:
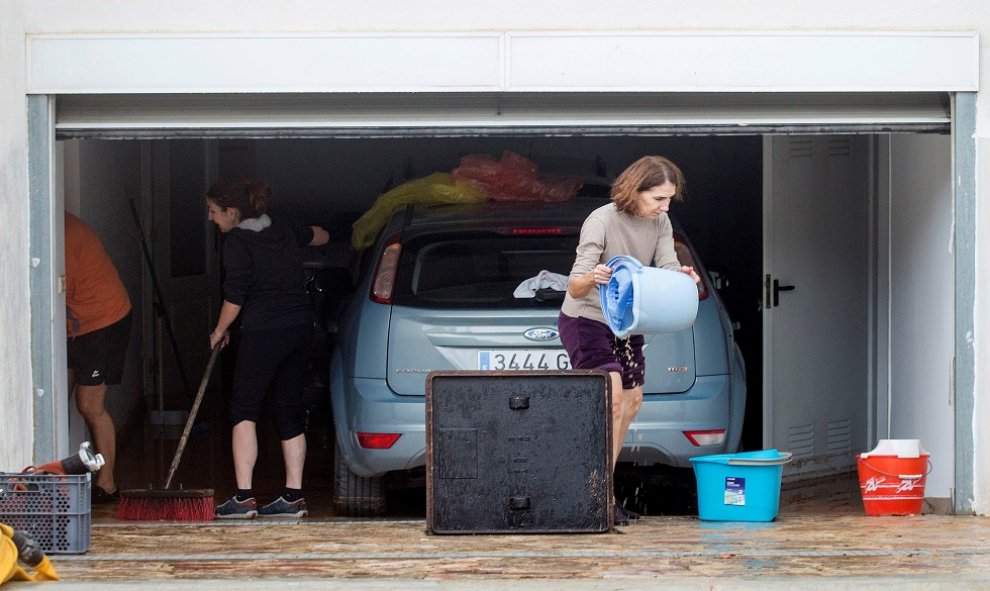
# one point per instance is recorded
(436, 188)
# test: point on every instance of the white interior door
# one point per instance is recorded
(817, 204)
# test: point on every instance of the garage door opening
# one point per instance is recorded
(331, 180)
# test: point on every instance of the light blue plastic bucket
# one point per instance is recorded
(740, 487)
(647, 300)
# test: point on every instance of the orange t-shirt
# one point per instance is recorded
(95, 297)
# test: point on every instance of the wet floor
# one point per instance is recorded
(800, 544)
(820, 536)
(821, 540)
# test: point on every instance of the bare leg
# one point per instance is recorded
(618, 412)
(244, 441)
(632, 400)
(91, 402)
(294, 452)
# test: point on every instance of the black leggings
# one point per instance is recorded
(272, 360)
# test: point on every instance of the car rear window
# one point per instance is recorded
(480, 270)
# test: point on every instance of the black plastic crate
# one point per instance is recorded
(53, 509)
(518, 452)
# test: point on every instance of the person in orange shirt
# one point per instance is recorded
(98, 326)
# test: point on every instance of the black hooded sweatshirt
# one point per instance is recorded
(265, 276)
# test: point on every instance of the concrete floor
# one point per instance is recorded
(820, 540)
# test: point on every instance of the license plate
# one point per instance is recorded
(523, 359)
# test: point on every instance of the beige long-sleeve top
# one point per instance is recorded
(607, 233)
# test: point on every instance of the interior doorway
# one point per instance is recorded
(818, 212)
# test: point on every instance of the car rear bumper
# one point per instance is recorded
(371, 407)
(656, 436)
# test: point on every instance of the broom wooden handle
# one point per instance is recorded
(192, 416)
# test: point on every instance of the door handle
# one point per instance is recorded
(777, 288)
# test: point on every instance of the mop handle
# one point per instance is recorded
(161, 307)
(192, 415)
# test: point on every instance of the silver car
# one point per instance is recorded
(436, 293)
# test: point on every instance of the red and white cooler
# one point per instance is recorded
(892, 477)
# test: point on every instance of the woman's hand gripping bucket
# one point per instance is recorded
(647, 300)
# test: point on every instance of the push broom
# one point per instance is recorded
(167, 504)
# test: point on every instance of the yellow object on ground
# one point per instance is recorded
(21, 559)
(438, 187)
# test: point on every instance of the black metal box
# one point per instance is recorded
(518, 452)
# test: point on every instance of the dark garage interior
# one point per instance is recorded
(330, 182)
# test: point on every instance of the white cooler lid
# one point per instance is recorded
(902, 448)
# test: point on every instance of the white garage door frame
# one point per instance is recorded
(492, 83)
(460, 114)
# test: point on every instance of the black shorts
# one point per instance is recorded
(98, 357)
(273, 361)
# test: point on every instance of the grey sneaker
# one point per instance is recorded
(282, 508)
(234, 509)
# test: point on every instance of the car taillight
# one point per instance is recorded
(377, 440)
(384, 283)
(687, 259)
(702, 288)
(707, 437)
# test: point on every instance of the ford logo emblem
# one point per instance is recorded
(541, 334)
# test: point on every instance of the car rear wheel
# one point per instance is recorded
(353, 495)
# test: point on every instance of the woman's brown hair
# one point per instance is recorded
(250, 198)
(643, 175)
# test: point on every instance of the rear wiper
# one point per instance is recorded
(549, 294)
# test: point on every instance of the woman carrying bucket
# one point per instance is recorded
(634, 224)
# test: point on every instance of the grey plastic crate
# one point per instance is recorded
(53, 509)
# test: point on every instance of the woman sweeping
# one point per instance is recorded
(634, 224)
(263, 284)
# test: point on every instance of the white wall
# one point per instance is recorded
(220, 16)
(15, 375)
(921, 301)
(567, 15)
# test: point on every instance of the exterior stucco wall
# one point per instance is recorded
(21, 17)
(15, 374)
(443, 15)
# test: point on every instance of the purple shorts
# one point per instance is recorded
(592, 345)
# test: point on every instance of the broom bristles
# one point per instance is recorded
(165, 505)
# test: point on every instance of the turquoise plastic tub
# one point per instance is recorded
(740, 487)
